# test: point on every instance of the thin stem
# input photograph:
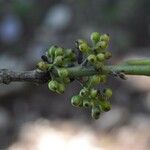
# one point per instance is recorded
(130, 69)
(137, 62)
(126, 69)
(7, 76)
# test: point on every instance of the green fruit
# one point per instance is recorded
(86, 103)
(66, 80)
(101, 57)
(105, 37)
(95, 80)
(106, 106)
(43, 66)
(96, 111)
(95, 37)
(73, 57)
(103, 78)
(108, 55)
(61, 88)
(83, 92)
(58, 60)
(68, 53)
(84, 47)
(63, 72)
(99, 65)
(51, 51)
(76, 100)
(108, 93)
(92, 58)
(53, 85)
(59, 52)
(79, 42)
(93, 93)
(103, 44)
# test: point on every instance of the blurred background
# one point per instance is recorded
(34, 118)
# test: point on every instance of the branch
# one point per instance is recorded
(126, 69)
(36, 76)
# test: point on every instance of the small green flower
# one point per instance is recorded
(63, 72)
(66, 80)
(84, 47)
(108, 92)
(92, 58)
(59, 52)
(96, 111)
(95, 37)
(53, 85)
(105, 37)
(79, 42)
(76, 100)
(43, 66)
(108, 55)
(103, 78)
(51, 51)
(106, 106)
(94, 80)
(93, 93)
(68, 53)
(86, 103)
(83, 92)
(102, 44)
(58, 60)
(101, 57)
(99, 65)
(61, 88)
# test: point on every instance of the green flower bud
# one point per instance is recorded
(70, 55)
(95, 80)
(68, 52)
(93, 93)
(103, 44)
(59, 52)
(63, 72)
(92, 58)
(86, 103)
(95, 37)
(84, 47)
(101, 57)
(105, 37)
(103, 78)
(95, 112)
(73, 57)
(66, 80)
(106, 106)
(51, 51)
(53, 85)
(58, 60)
(108, 55)
(61, 88)
(99, 65)
(43, 66)
(76, 100)
(83, 92)
(108, 92)
(79, 42)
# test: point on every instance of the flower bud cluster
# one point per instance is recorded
(97, 56)
(58, 60)
(94, 99)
